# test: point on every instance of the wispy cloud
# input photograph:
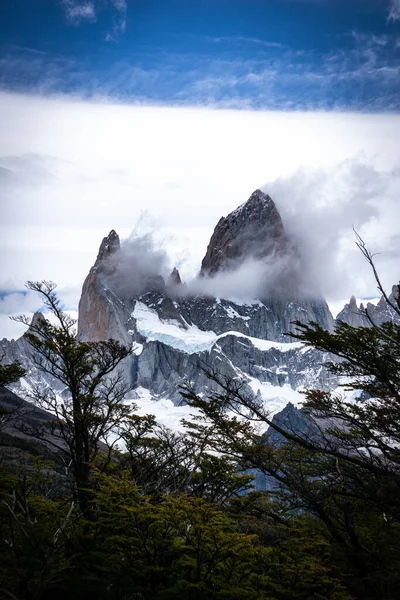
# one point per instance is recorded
(119, 21)
(95, 158)
(362, 72)
(78, 12)
(394, 10)
(246, 40)
(85, 11)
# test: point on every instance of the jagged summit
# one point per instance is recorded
(253, 230)
(257, 201)
(378, 314)
(353, 315)
(110, 245)
(174, 278)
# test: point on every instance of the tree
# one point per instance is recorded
(91, 407)
(344, 467)
(11, 373)
(161, 461)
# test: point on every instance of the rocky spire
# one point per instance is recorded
(110, 245)
(174, 278)
(253, 230)
(352, 315)
(99, 319)
(377, 313)
(35, 323)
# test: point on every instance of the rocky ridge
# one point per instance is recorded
(175, 335)
(361, 316)
(226, 333)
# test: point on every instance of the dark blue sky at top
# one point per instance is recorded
(289, 54)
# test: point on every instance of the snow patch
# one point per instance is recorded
(275, 398)
(193, 340)
(137, 348)
(165, 412)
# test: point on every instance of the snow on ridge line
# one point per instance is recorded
(193, 339)
(265, 345)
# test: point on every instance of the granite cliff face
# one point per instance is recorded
(102, 315)
(353, 315)
(254, 230)
(356, 316)
(176, 335)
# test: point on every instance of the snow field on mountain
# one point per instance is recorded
(191, 340)
(164, 410)
(170, 415)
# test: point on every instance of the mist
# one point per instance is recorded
(72, 170)
(320, 210)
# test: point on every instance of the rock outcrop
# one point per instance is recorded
(21, 424)
(254, 230)
(362, 316)
(174, 278)
(102, 315)
(175, 336)
(353, 315)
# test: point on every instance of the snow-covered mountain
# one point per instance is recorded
(177, 334)
(178, 330)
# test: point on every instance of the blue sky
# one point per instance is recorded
(254, 54)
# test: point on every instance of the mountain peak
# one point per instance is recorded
(174, 278)
(110, 245)
(253, 230)
(257, 201)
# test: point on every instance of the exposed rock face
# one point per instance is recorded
(174, 337)
(232, 330)
(235, 347)
(102, 315)
(353, 315)
(268, 319)
(379, 313)
(109, 246)
(174, 278)
(383, 311)
(254, 230)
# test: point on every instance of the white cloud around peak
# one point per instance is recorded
(70, 171)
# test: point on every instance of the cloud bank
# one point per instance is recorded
(320, 211)
(72, 170)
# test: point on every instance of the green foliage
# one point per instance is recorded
(33, 534)
(94, 389)
(11, 373)
(135, 547)
(345, 474)
(169, 518)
